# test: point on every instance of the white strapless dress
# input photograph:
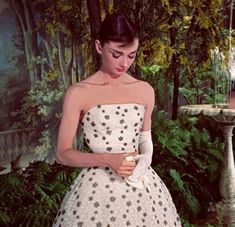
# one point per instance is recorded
(100, 198)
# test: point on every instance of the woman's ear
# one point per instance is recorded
(98, 46)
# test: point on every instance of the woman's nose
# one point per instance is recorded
(123, 62)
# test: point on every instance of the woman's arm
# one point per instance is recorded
(145, 141)
(67, 155)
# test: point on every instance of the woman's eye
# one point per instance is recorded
(116, 55)
(131, 56)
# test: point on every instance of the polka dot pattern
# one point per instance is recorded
(100, 198)
(117, 125)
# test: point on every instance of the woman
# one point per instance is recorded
(117, 187)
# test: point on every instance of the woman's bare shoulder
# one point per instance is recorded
(76, 94)
(147, 86)
(93, 79)
(75, 89)
(83, 85)
(79, 92)
(145, 92)
(143, 85)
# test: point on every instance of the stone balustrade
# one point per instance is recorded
(13, 143)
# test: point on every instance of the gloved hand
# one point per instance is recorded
(144, 160)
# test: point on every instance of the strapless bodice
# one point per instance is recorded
(113, 127)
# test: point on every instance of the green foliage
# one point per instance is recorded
(187, 158)
(155, 75)
(186, 30)
(40, 110)
(152, 69)
(32, 197)
(185, 223)
(210, 83)
(179, 37)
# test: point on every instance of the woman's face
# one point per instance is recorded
(116, 59)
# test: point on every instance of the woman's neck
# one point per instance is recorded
(112, 79)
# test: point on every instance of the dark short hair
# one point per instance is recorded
(117, 28)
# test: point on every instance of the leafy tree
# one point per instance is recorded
(179, 37)
(95, 22)
(27, 25)
(61, 39)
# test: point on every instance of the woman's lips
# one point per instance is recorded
(120, 70)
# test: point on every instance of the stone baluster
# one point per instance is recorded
(24, 143)
(9, 143)
(16, 140)
(2, 146)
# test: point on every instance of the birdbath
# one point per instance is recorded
(224, 116)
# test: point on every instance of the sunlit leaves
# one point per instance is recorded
(151, 69)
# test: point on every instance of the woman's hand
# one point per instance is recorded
(120, 165)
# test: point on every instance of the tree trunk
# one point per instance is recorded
(48, 49)
(174, 68)
(93, 7)
(81, 63)
(62, 59)
(26, 23)
(70, 63)
(176, 76)
(65, 65)
(34, 35)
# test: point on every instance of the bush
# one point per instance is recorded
(40, 113)
(33, 196)
(188, 160)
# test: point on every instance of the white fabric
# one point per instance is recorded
(138, 179)
(98, 196)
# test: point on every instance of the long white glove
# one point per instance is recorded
(138, 179)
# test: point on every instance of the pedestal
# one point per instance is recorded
(226, 207)
(223, 115)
